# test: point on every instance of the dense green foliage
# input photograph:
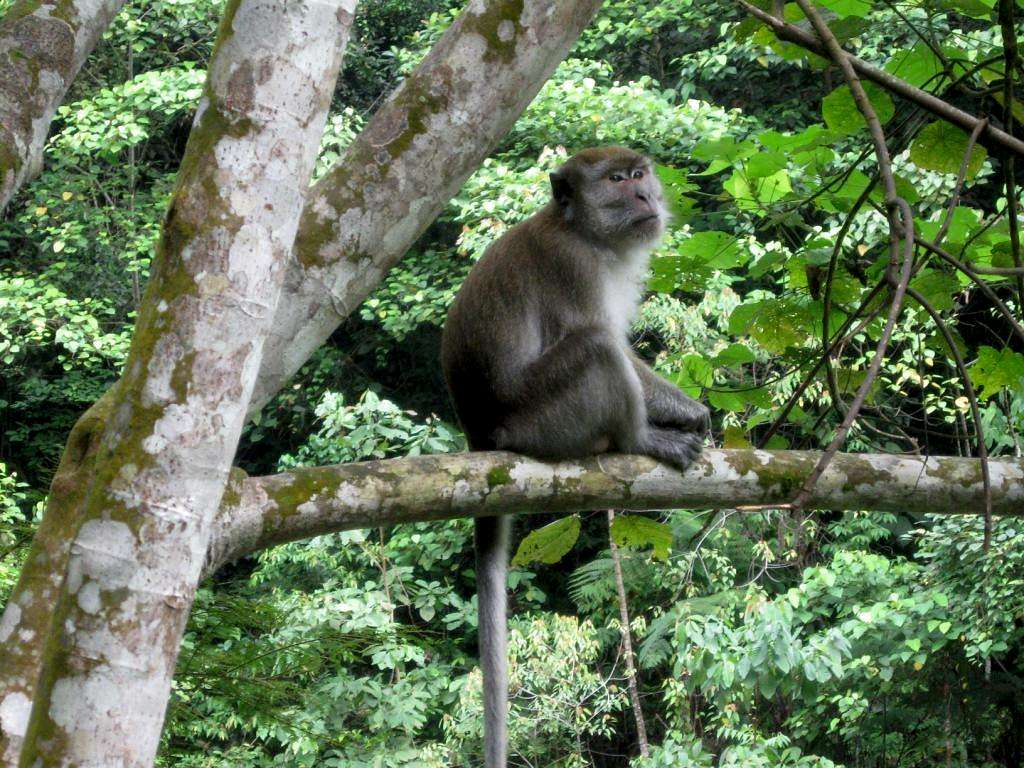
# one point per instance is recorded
(763, 639)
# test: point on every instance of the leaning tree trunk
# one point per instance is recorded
(42, 47)
(176, 415)
(406, 188)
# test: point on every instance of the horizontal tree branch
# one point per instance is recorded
(259, 512)
(927, 101)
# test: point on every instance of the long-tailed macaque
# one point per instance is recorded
(537, 360)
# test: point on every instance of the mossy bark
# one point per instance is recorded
(317, 500)
(140, 526)
(42, 47)
(412, 156)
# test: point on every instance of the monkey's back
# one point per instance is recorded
(514, 303)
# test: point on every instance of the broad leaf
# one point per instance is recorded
(997, 369)
(638, 532)
(841, 113)
(941, 147)
(548, 544)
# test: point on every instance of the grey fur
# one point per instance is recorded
(537, 361)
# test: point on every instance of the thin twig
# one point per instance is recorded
(961, 176)
(627, 641)
(927, 101)
(979, 281)
(841, 338)
(979, 429)
(996, 271)
(900, 217)
(1009, 35)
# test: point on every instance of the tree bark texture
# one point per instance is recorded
(412, 156)
(174, 419)
(259, 512)
(43, 44)
(632, 677)
(493, 84)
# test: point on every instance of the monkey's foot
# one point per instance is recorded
(680, 449)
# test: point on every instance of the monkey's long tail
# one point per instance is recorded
(491, 536)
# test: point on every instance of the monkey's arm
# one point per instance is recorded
(667, 405)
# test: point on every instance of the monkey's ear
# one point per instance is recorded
(561, 188)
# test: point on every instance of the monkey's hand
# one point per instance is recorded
(679, 413)
(667, 406)
(672, 446)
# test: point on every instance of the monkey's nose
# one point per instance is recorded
(643, 196)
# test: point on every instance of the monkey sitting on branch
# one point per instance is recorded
(537, 361)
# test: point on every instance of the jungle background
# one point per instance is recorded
(762, 638)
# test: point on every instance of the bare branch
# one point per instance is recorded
(1009, 36)
(259, 512)
(961, 176)
(972, 399)
(979, 281)
(901, 223)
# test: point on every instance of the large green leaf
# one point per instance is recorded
(695, 374)
(754, 193)
(997, 369)
(719, 250)
(841, 113)
(638, 532)
(941, 147)
(918, 66)
(938, 288)
(548, 544)
(844, 8)
(776, 324)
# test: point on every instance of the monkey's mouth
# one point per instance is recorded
(645, 219)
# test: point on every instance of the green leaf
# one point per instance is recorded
(638, 532)
(844, 8)
(754, 193)
(941, 147)
(809, 138)
(776, 324)
(734, 355)
(737, 400)
(937, 287)
(694, 375)
(841, 113)
(675, 184)
(718, 250)
(995, 370)
(548, 544)
(765, 164)
(918, 66)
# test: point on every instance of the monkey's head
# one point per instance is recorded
(611, 194)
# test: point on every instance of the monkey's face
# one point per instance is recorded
(612, 194)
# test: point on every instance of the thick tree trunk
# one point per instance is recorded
(42, 47)
(259, 512)
(411, 157)
(175, 417)
(494, 81)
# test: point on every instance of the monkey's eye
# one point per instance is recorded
(617, 177)
(638, 174)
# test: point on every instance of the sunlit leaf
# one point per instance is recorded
(638, 532)
(549, 544)
(941, 147)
